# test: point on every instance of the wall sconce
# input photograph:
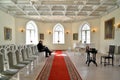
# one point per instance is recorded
(49, 32)
(118, 26)
(94, 30)
(67, 32)
(22, 29)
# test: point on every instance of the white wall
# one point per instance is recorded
(94, 23)
(45, 27)
(20, 36)
(49, 37)
(9, 22)
(104, 43)
(73, 27)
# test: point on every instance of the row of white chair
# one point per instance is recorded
(15, 57)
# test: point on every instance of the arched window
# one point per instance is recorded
(85, 33)
(31, 33)
(58, 34)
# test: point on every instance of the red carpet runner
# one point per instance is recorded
(59, 67)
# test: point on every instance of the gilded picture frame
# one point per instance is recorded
(41, 36)
(109, 28)
(7, 33)
(75, 36)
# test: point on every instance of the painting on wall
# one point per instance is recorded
(75, 36)
(109, 28)
(7, 33)
(41, 36)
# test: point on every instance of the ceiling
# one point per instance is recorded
(58, 10)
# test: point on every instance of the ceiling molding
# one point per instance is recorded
(58, 10)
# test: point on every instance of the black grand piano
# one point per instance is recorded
(91, 56)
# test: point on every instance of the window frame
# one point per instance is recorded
(85, 31)
(62, 34)
(31, 32)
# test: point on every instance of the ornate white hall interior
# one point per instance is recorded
(67, 25)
